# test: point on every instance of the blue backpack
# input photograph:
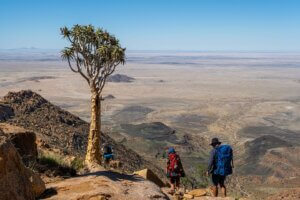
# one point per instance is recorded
(223, 160)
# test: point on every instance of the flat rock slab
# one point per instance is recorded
(214, 198)
(105, 185)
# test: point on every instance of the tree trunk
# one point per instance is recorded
(93, 155)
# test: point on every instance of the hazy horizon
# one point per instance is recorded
(165, 50)
(207, 25)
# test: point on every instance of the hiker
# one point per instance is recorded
(220, 165)
(174, 170)
(107, 154)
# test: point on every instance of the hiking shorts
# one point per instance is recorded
(175, 180)
(218, 179)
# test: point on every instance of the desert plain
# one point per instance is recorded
(250, 100)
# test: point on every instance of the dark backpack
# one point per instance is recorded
(107, 149)
(108, 152)
(223, 160)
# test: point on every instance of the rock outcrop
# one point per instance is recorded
(36, 183)
(213, 198)
(104, 185)
(117, 78)
(23, 140)
(110, 96)
(149, 175)
(16, 181)
(198, 192)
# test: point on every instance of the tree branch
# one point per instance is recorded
(80, 69)
(69, 62)
(109, 69)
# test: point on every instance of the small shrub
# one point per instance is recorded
(51, 161)
(197, 179)
(56, 165)
(77, 164)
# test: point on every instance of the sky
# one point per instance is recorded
(187, 25)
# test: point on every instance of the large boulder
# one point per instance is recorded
(37, 184)
(14, 181)
(149, 175)
(198, 192)
(214, 198)
(23, 140)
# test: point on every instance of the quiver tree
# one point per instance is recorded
(94, 54)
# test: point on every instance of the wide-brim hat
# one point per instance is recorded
(215, 141)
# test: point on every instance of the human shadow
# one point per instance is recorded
(114, 176)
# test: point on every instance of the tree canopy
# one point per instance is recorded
(93, 53)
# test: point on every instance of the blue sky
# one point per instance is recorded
(157, 24)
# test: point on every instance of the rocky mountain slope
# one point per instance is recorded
(266, 159)
(59, 129)
(18, 182)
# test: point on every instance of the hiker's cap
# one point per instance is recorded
(171, 150)
(215, 141)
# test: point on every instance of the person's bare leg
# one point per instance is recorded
(178, 184)
(223, 189)
(215, 191)
(172, 186)
(172, 190)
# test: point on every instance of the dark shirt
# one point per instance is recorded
(211, 161)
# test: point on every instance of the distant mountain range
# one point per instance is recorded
(29, 54)
(183, 58)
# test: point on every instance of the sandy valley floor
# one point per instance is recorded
(238, 97)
